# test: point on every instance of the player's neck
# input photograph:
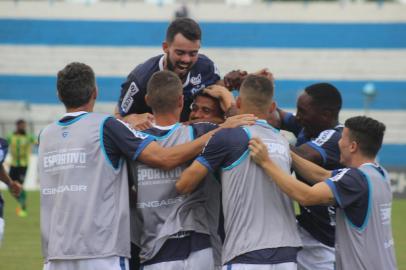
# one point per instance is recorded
(85, 108)
(358, 160)
(166, 119)
(257, 113)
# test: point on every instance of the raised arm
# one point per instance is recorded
(300, 192)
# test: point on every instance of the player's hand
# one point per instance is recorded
(15, 188)
(139, 121)
(259, 151)
(233, 79)
(222, 94)
(239, 120)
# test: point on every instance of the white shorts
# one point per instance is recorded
(109, 263)
(198, 260)
(1, 230)
(278, 266)
(314, 255)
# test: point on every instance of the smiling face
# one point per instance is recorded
(181, 54)
(310, 117)
(205, 108)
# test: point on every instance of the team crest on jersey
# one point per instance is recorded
(197, 88)
(128, 98)
(196, 80)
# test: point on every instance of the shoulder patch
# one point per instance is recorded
(128, 98)
(137, 134)
(323, 137)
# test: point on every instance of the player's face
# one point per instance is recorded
(204, 108)
(309, 116)
(181, 54)
(344, 144)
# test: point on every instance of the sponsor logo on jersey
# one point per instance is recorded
(196, 80)
(65, 134)
(145, 174)
(277, 149)
(64, 159)
(340, 174)
(216, 70)
(128, 98)
(136, 133)
(385, 210)
(161, 203)
(64, 188)
(323, 137)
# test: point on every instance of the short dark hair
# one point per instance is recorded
(163, 90)
(186, 26)
(20, 121)
(201, 93)
(257, 90)
(367, 132)
(75, 83)
(325, 96)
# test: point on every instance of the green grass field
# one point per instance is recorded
(21, 249)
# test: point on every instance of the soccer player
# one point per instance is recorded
(362, 193)
(318, 131)
(260, 227)
(14, 186)
(20, 143)
(173, 229)
(181, 55)
(83, 181)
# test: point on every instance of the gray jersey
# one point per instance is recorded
(257, 214)
(368, 245)
(84, 199)
(162, 212)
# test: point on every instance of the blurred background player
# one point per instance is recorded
(361, 192)
(318, 131)
(181, 55)
(20, 143)
(14, 186)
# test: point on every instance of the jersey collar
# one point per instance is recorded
(161, 68)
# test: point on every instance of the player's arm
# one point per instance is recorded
(191, 178)
(305, 195)
(308, 170)
(14, 186)
(168, 158)
(309, 153)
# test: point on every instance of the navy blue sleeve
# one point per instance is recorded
(133, 90)
(202, 128)
(119, 140)
(290, 124)
(3, 150)
(327, 146)
(224, 148)
(351, 192)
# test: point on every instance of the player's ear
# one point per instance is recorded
(238, 102)
(272, 107)
(181, 101)
(165, 47)
(147, 99)
(95, 93)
